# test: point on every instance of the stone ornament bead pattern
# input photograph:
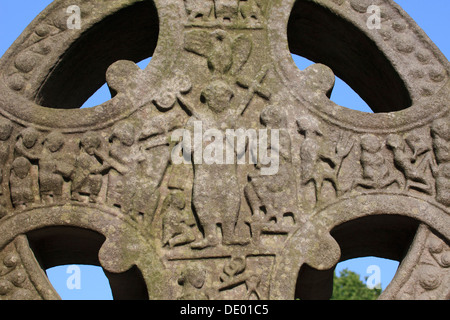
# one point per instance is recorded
(100, 186)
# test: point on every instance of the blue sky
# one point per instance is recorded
(431, 15)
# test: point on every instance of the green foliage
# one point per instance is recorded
(348, 286)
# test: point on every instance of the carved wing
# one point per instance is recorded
(198, 42)
(242, 48)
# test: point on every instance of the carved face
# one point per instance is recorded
(217, 96)
(90, 142)
(5, 130)
(308, 125)
(21, 166)
(54, 141)
(273, 117)
(178, 201)
(124, 132)
(370, 143)
(193, 276)
(29, 136)
(441, 128)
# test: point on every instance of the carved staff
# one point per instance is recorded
(254, 87)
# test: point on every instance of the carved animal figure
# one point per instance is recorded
(199, 9)
(405, 162)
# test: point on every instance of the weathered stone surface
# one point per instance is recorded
(108, 185)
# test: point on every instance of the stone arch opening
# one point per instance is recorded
(64, 245)
(89, 237)
(320, 35)
(80, 281)
(370, 225)
(129, 34)
(383, 236)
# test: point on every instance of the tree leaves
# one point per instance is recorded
(348, 286)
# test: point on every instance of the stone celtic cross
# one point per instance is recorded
(168, 185)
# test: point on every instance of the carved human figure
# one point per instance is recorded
(376, 173)
(21, 183)
(440, 133)
(320, 158)
(6, 129)
(177, 221)
(87, 177)
(53, 163)
(154, 144)
(29, 145)
(276, 193)
(126, 155)
(193, 279)
(216, 203)
(405, 161)
(53, 168)
(199, 9)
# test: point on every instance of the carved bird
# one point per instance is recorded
(224, 54)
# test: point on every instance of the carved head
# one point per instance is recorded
(29, 137)
(90, 142)
(308, 125)
(219, 35)
(217, 96)
(193, 276)
(125, 133)
(176, 200)
(54, 141)
(370, 143)
(417, 144)
(394, 141)
(6, 129)
(441, 128)
(21, 166)
(274, 117)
